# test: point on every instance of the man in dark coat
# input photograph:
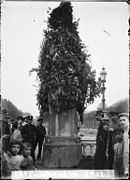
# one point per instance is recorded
(29, 135)
(41, 132)
(104, 149)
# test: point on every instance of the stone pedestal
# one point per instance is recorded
(62, 148)
(61, 152)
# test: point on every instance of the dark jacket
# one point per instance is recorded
(41, 132)
(100, 158)
(29, 133)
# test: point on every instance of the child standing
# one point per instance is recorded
(27, 162)
(11, 160)
(118, 152)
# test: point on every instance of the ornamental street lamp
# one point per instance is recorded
(103, 75)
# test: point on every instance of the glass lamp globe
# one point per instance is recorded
(103, 75)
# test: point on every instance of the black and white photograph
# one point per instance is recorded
(64, 90)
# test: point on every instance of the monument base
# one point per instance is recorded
(61, 152)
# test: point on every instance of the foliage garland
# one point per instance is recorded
(64, 70)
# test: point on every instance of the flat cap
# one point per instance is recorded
(123, 114)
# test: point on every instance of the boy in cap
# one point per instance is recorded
(124, 123)
(118, 165)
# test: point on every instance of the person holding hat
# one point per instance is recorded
(124, 123)
(41, 132)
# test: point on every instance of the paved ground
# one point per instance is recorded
(85, 163)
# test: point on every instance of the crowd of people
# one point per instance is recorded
(112, 146)
(19, 141)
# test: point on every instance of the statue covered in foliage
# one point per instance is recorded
(64, 70)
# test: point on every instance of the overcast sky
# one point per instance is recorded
(103, 28)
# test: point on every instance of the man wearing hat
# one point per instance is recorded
(124, 123)
(41, 132)
(29, 134)
(103, 157)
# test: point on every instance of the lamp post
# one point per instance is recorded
(103, 75)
